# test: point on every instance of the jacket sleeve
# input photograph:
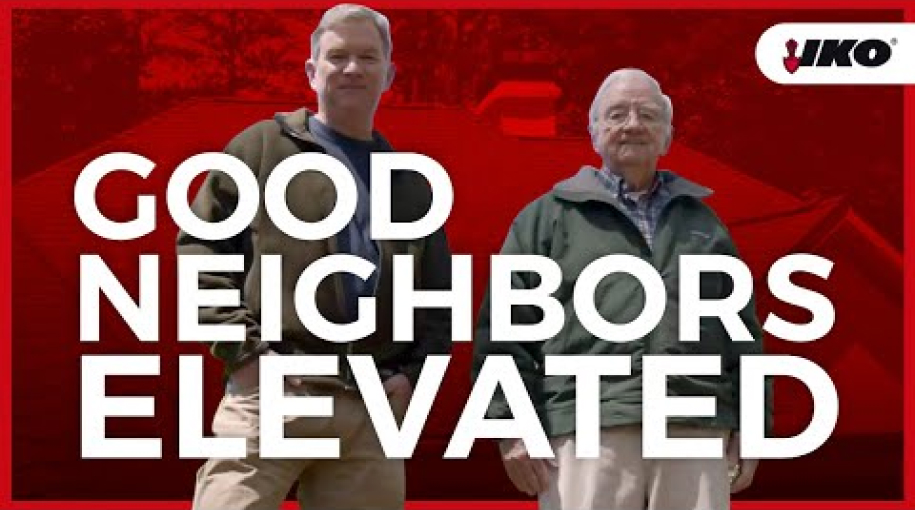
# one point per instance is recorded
(755, 348)
(433, 325)
(528, 235)
(215, 201)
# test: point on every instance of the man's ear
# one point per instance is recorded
(389, 79)
(310, 70)
(593, 133)
(668, 140)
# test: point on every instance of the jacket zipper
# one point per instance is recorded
(346, 375)
(651, 253)
(662, 218)
(380, 249)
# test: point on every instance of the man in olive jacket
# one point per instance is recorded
(626, 207)
(350, 67)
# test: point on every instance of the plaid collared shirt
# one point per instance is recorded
(643, 208)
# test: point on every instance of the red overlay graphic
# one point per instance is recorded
(499, 97)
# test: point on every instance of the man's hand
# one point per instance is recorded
(398, 387)
(248, 375)
(399, 391)
(530, 476)
(745, 468)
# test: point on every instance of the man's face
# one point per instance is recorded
(351, 71)
(631, 128)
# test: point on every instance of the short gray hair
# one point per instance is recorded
(352, 12)
(615, 76)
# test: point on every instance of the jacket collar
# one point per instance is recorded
(586, 185)
(295, 124)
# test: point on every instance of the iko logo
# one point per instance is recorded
(833, 52)
(838, 53)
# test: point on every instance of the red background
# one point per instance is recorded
(816, 169)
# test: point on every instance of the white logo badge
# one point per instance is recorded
(838, 53)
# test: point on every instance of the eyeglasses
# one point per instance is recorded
(649, 117)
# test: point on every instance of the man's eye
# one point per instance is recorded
(650, 116)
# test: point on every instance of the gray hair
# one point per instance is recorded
(615, 76)
(352, 12)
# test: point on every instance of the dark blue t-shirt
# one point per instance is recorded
(355, 238)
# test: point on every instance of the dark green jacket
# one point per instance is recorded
(311, 197)
(576, 223)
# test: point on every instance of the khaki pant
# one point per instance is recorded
(620, 479)
(363, 478)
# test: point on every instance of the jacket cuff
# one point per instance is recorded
(245, 355)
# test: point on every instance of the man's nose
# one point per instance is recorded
(633, 121)
(352, 66)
